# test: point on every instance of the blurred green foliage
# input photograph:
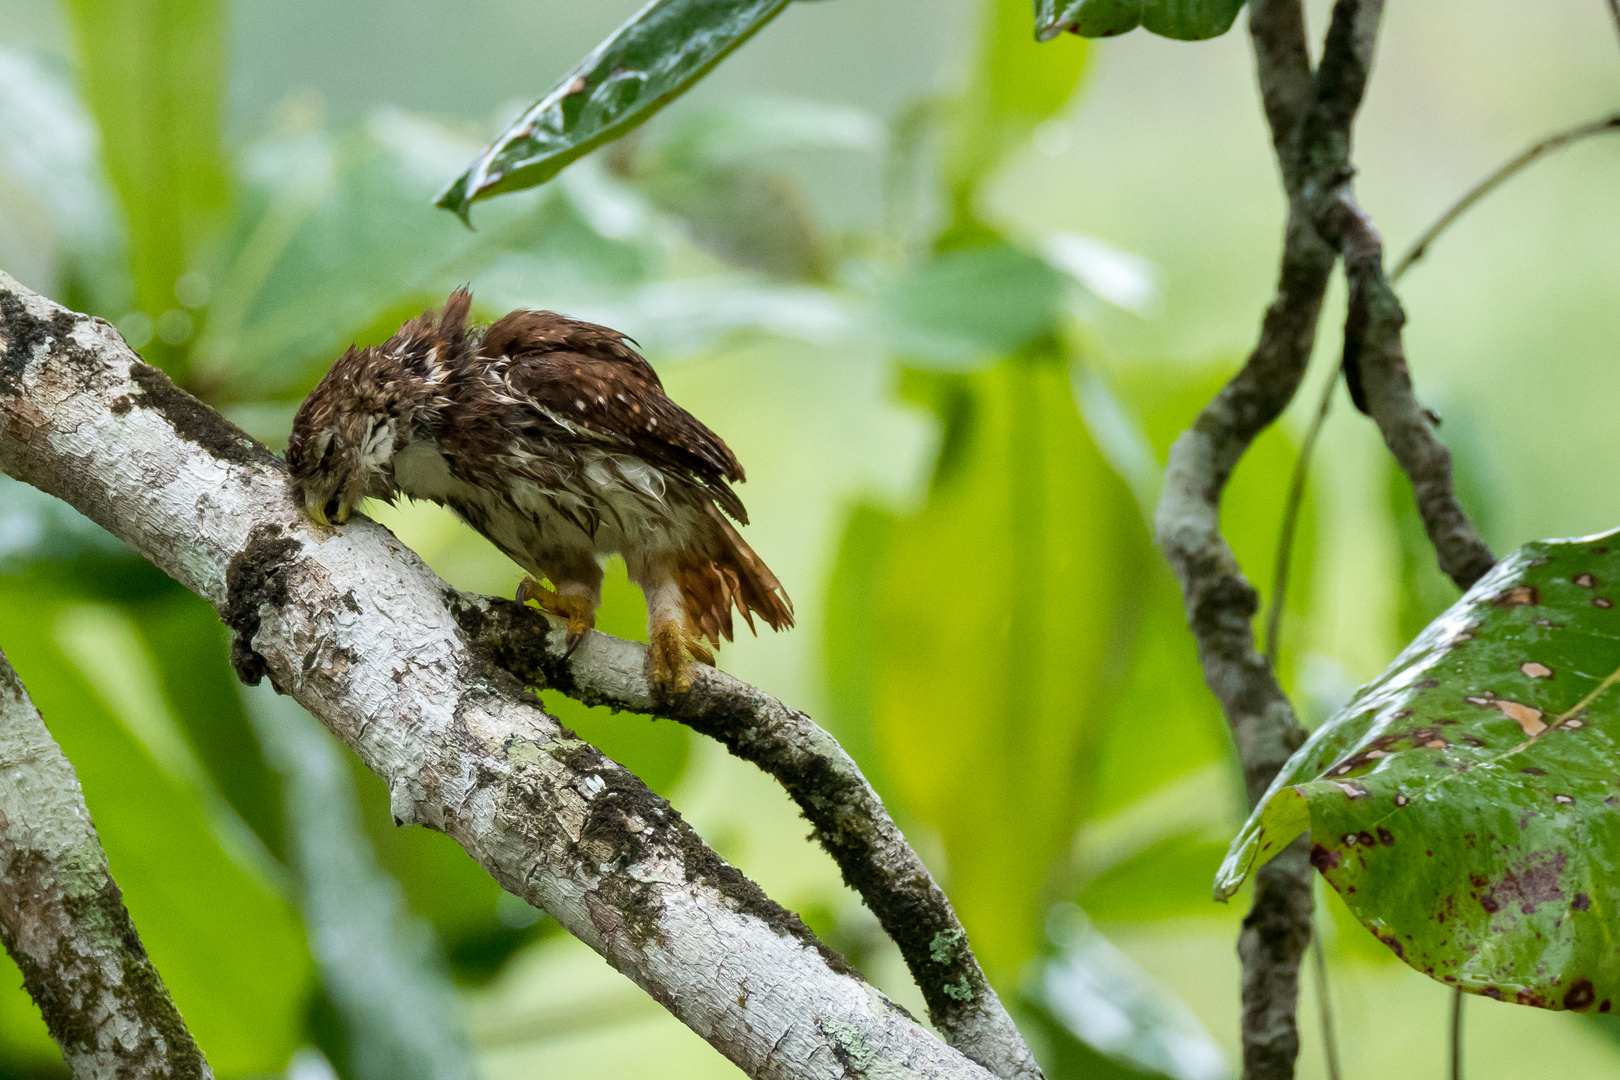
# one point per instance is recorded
(997, 642)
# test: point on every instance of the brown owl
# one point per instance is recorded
(554, 439)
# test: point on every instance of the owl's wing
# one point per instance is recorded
(589, 382)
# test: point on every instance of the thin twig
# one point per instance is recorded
(1324, 1006)
(1524, 158)
(1290, 520)
(1456, 1034)
(1614, 10)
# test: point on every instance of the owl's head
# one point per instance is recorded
(369, 406)
(345, 434)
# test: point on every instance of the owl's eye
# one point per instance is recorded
(325, 445)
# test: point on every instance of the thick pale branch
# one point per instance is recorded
(850, 820)
(63, 919)
(355, 628)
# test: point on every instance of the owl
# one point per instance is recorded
(555, 440)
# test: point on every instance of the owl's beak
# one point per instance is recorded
(327, 513)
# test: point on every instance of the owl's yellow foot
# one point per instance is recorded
(578, 610)
(666, 659)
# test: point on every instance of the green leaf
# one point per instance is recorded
(1465, 803)
(1016, 86)
(154, 78)
(652, 59)
(1184, 20)
(334, 243)
(968, 307)
(1110, 1018)
(996, 611)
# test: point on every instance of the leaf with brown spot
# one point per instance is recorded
(1495, 841)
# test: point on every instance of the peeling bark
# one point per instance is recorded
(354, 627)
(63, 919)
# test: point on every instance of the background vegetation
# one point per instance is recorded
(950, 298)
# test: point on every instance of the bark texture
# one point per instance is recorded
(63, 919)
(354, 627)
(1311, 115)
(850, 820)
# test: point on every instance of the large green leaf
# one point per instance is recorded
(154, 78)
(652, 59)
(1184, 20)
(996, 618)
(1465, 803)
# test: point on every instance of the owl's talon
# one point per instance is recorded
(667, 666)
(579, 612)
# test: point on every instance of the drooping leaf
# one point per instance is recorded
(1465, 803)
(154, 78)
(1124, 1023)
(379, 970)
(1025, 527)
(1184, 20)
(653, 58)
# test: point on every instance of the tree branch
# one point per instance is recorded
(850, 820)
(1372, 336)
(1311, 119)
(355, 628)
(1530, 154)
(63, 919)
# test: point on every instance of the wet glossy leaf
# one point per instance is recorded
(1465, 804)
(649, 61)
(1184, 20)
(154, 78)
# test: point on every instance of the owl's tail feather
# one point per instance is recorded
(736, 578)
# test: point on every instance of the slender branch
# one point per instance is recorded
(1530, 154)
(1456, 1033)
(850, 820)
(1324, 1008)
(1373, 337)
(1614, 10)
(1290, 521)
(63, 918)
(356, 629)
